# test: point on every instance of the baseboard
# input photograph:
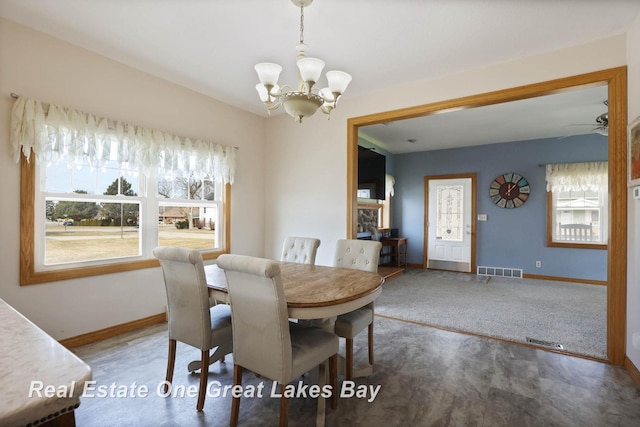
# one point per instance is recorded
(390, 272)
(633, 370)
(540, 277)
(113, 331)
(565, 279)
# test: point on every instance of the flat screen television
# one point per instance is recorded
(371, 174)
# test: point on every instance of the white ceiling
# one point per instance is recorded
(211, 46)
(552, 116)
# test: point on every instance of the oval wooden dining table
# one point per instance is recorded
(313, 291)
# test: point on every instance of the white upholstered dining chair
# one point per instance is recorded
(191, 319)
(264, 341)
(358, 255)
(301, 250)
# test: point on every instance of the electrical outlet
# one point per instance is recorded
(635, 338)
(538, 264)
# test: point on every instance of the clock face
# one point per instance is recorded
(509, 190)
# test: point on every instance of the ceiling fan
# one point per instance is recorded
(601, 125)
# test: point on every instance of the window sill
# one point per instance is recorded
(30, 277)
(577, 245)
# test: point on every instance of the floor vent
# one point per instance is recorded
(545, 343)
(515, 273)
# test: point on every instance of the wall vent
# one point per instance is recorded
(515, 273)
(545, 343)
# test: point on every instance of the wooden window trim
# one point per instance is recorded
(552, 244)
(28, 275)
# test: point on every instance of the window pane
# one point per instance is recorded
(191, 226)
(61, 179)
(449, 212)
(577, 217)
(114, 181)
(85, 230)
(109, 179)
(186, 188)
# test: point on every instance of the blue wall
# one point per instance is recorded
(513, 238)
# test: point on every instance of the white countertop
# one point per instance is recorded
(32, 360)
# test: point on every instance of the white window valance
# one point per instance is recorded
(588, 176)
(80, 139)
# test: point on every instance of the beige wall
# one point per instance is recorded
(36, 65)
(633, 276)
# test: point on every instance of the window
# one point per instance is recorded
(98, 196)
(577, 205)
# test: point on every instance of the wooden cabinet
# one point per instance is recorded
(394, 251)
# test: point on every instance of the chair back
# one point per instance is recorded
(187, 296)
(358, 254)
(261, 337)
(301, 250)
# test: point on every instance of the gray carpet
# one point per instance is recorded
(570, 314)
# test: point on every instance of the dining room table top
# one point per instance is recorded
(308, 286)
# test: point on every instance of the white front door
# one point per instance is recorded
(449, 228)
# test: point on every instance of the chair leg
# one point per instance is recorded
(371, 344)
(204, 379)
(349, 358)
(235, 402)
(171, 361)
(284, 407)
(333, 380)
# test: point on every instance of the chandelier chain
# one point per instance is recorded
(301, 24)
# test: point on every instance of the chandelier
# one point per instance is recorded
(306, 99)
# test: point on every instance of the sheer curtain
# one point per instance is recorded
(588, 176)
(80, 139)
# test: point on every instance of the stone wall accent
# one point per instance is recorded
(368, 221)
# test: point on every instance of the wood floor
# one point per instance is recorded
(427, 377)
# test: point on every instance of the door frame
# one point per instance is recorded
(616, 81)
(425, 250)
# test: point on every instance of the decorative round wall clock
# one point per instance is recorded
(509, 190)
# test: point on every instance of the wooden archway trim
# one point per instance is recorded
(616, 79)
